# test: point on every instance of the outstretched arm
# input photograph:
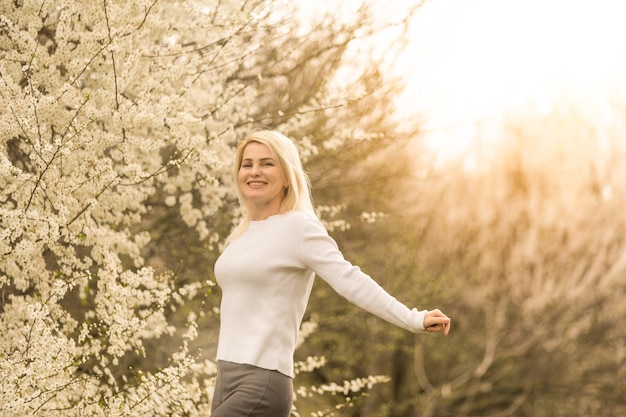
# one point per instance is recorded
(321, 254)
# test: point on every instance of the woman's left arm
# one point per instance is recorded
(322, 255)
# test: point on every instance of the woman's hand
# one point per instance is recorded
(435, 320)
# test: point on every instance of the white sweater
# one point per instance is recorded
(266, 275)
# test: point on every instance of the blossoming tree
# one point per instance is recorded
(110, 107)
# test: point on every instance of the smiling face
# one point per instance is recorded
(261, 180)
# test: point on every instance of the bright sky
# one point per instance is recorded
(472, 61)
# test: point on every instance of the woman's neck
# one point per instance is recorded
(261, 213)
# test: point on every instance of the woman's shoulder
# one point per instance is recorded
(291, 223)
(299, 217)
(299, 220)
(306, 223)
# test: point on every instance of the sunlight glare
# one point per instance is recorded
(470, 63)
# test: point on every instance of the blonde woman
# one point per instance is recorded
(266, 273)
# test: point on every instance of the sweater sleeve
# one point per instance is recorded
(321, 254)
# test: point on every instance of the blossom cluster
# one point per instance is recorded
(110, 109)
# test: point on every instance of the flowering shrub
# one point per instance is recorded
(111, 108)
(108, 104)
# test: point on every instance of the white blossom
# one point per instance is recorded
(110, 108)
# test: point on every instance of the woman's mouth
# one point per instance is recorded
(256, 183)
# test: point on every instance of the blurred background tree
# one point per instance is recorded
(524, 241)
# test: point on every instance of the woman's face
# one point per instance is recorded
(261, 180)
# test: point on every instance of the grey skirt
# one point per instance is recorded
(249, 391)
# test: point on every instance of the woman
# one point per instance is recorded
(266, 273)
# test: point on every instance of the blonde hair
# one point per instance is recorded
(284, 150)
